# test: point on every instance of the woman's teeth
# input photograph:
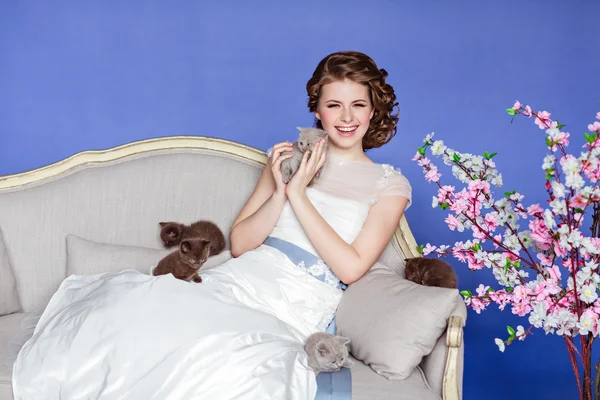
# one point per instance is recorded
(346, 128)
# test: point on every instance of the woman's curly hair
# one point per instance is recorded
(359, 68)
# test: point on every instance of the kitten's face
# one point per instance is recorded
(194, 252)
(333, 353)
(309, 137)
(170, 233)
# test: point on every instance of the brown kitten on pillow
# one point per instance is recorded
(327, 352)
(306, 141)
(185, 262)
(430, 272)
(172, 233)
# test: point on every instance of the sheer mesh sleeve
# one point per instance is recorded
(363, 182)
(398, 185)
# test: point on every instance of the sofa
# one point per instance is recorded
(98, 211)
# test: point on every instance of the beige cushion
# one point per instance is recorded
(393, 323)
(85, 257)
(9, 298)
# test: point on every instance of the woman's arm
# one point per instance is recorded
(349, 262)
(262, 210)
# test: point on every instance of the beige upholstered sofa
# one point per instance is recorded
(117, 197)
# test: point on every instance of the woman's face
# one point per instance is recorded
(345, 110)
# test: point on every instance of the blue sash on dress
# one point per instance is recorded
(336, 385)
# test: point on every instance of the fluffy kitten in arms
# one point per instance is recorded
(306, 141)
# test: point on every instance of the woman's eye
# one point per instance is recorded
(332, 105)
(361, 105)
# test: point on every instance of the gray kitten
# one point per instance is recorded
(306, 141)
(327, 352)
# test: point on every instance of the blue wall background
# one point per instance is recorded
(86, 75)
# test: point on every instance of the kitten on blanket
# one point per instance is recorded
(327, 352)
(172, 233)
(430, 272)
(306, 140)
(185, 263)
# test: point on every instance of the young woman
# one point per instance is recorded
(240, 333)
(352, 102)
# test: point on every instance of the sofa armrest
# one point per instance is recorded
(452, 382)
(443, 367)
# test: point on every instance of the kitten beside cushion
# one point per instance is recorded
(327, 352)
(430, 272)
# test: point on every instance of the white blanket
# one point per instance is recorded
(237, 335)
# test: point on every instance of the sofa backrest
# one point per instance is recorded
(119, 196)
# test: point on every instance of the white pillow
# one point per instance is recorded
(85, 257)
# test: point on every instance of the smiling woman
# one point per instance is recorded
(348, 92)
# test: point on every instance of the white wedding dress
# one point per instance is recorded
(237, 335)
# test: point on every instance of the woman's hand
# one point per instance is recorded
(281, 151)
(311, 162)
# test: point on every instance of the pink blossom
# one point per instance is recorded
(459, 205)
(457, 251)
(452, 222)
(498, 239)
(432, 175)
(501, 298)
(482, 290)
(424, 161)
(428, 249)
(517, 105)
(528, 112)
(444, 193)
(535, 209)
(477, 185)
(520, 293)
(595, 127)
(578, 201)
(491, 221)
(544, 260)
(521, 308)
(542, 119)
(563, 138)
(473, 263)
(477, 305)
(478, 233)
(559, 250)
(598, 115)
(417, 156)
(540, 234)
(554, 273)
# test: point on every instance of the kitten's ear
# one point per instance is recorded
(185, 246)
(323, 349)
(162, 223)
(343, 340)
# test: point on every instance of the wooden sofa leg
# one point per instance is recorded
(454, 337)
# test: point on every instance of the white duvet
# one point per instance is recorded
(237, 335)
